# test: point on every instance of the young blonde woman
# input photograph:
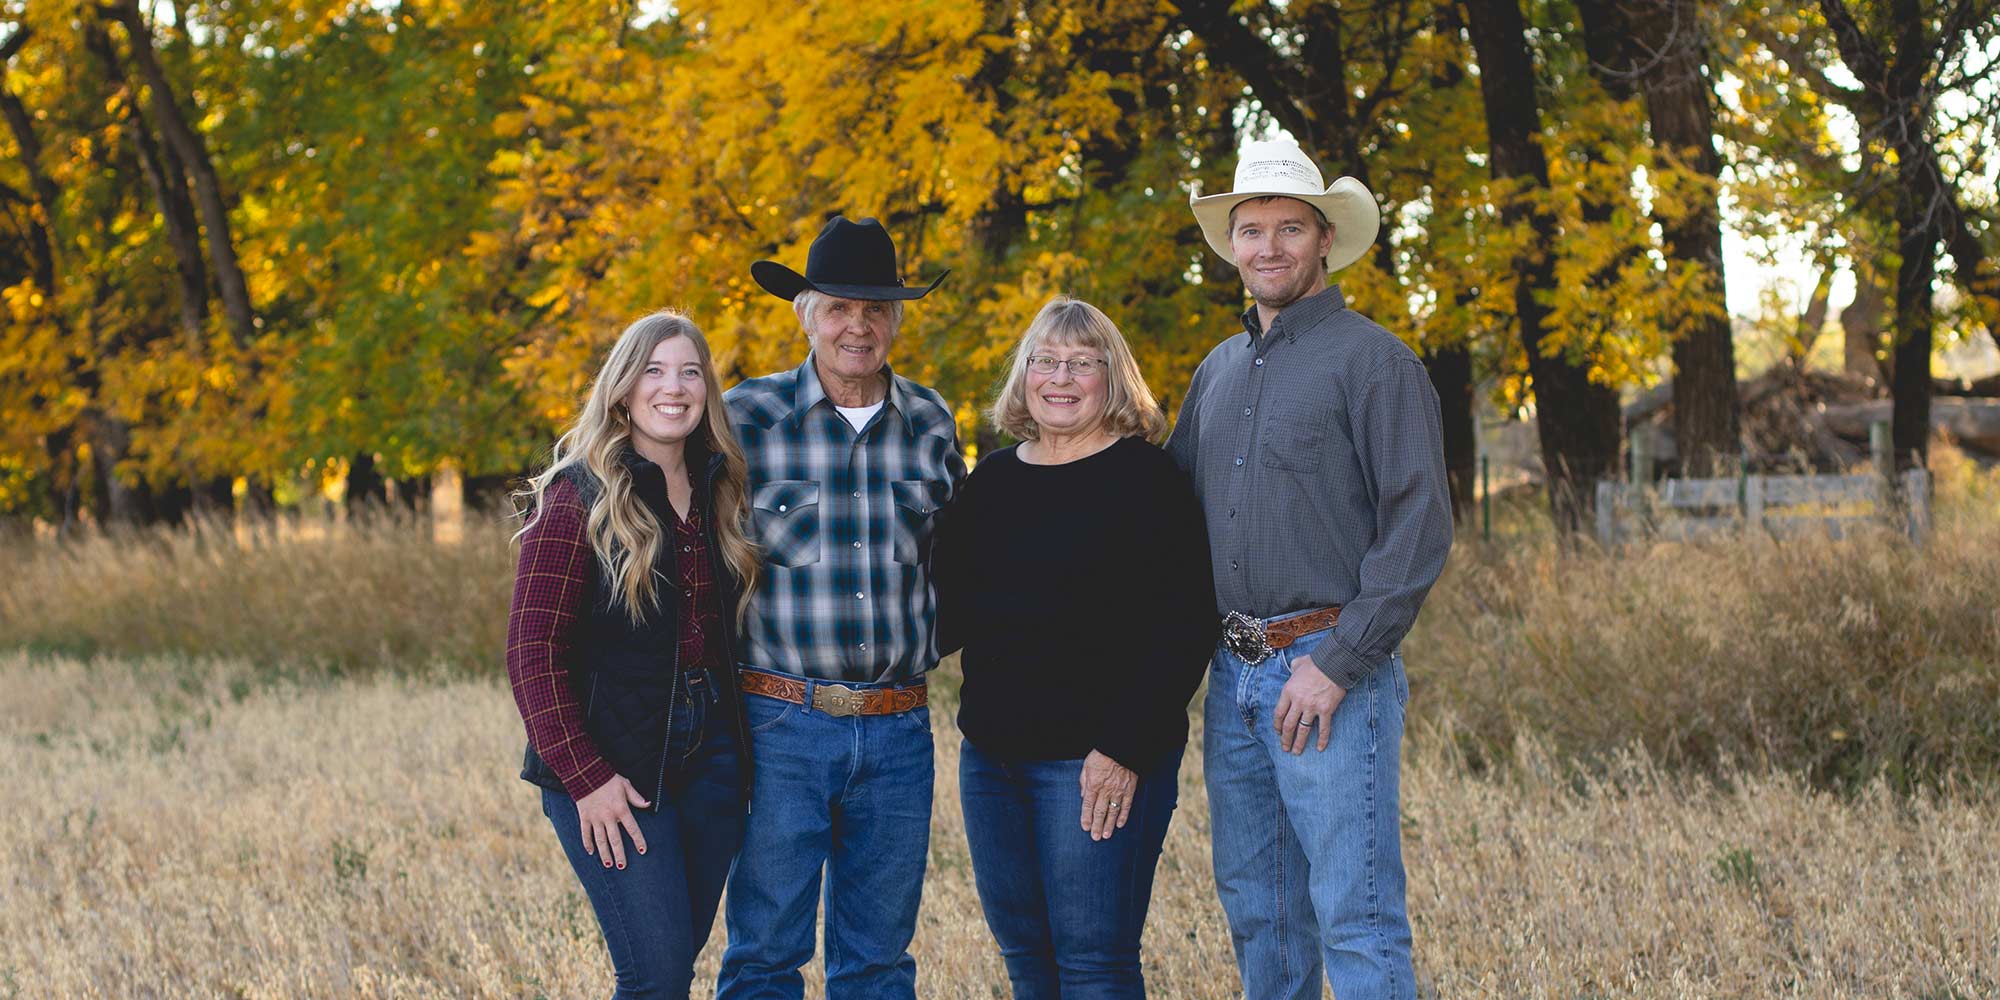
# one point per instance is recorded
(620, 649)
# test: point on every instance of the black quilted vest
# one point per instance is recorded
(626, 676)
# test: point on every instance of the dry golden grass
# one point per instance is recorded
(182, 828)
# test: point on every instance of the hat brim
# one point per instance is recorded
(786, 284)
(1346, 203)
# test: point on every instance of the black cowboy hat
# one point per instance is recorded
(851, 260)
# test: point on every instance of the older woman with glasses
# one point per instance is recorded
(1073, 569)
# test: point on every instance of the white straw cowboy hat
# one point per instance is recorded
(1280, 168)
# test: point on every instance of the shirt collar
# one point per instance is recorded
(1305, 314)
(810, 393)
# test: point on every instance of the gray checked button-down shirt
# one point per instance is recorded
(1316, 448)
(844, 519)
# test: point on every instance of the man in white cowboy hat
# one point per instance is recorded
(1314, 440)
(848, 463)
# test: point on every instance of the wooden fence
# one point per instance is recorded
(1782, 506)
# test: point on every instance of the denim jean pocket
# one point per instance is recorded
(764, 714)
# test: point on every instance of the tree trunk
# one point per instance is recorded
(168, 181)
(1451, 375)
(194, 155)
(1910, 384)
(1577, 420)
(1910, 380)
(1861, 324)
(41, 247)
(110, 442)
(1707, 412)
(365, 484)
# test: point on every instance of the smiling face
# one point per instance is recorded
(667, 401)
(851, 337)
(1062, 403)
(1279, 245)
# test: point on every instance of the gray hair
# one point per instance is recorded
(806, 305)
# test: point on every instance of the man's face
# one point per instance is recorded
(851, 337)
(1278, 245)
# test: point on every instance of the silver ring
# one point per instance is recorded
(1114, 805)
(1305, 722)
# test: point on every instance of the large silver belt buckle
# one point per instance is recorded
(835, 700)
(1244, 636)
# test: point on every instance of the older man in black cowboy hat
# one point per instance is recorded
(848, 461)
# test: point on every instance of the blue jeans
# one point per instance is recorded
(656, 913)
(850, 796)
(1308, 849)
(1067, 911)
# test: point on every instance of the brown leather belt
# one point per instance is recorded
(837, 699)
(1255, 640)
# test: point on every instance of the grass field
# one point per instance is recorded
(189, 828)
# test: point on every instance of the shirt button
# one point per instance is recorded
(863, 646)
(1232, 564)
(782, 508)
(690, 593)
(859, 596)
(856, 494)
(857, 543)
(1239, 461)
(1246, 411)
(687, 548)
(1232, 512)
(1260, 362)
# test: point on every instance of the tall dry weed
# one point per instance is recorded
(1842, 659)
(285, 593)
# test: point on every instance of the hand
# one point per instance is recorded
(603, 813)
(1309, 698)
(1107, 794)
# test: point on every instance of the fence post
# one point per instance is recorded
(1485, 501)
(1917, 503)
(1607, 526)
(1640, 447)
(1882, 452)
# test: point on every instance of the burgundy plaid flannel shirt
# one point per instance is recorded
(549, 588)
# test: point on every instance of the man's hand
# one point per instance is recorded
(1309, 697)
(606, 815)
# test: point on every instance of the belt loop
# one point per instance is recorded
(806, 707)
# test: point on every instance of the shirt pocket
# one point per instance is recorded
(916, 501)
(1295, 438)
(786, 513)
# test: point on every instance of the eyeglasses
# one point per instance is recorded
(1042, 364)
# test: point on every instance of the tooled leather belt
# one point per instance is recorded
(1254, 639)
(837, 699)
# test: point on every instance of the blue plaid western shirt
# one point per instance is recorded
(844, 518)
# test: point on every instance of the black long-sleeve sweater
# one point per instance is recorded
(1082, 598)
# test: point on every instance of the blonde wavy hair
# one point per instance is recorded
(1129, 407)
(622, 531)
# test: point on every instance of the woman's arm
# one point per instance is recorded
(1171, 599)
(549, 588)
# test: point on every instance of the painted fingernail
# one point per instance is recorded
(621, 868)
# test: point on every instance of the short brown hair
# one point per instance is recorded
(1129, 407)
